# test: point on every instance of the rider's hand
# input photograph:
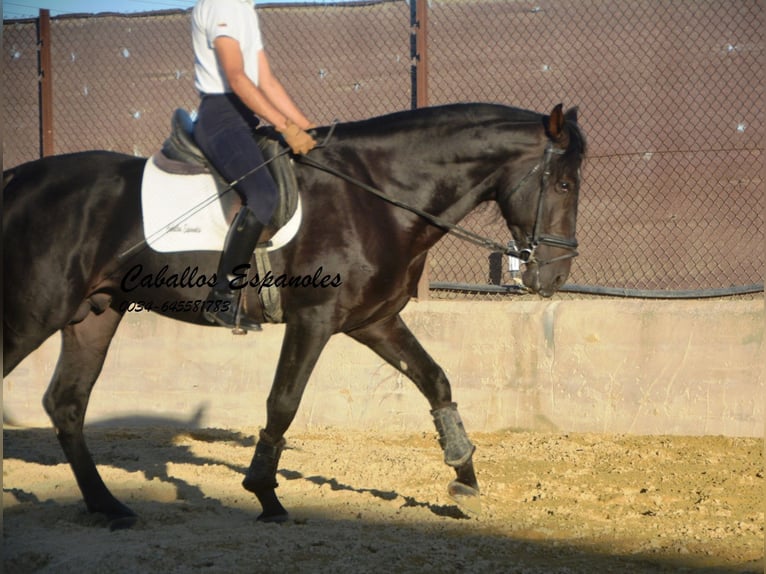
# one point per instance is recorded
(298, 140)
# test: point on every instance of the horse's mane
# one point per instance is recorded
(577, 145)
(449, 113)
(467, 114)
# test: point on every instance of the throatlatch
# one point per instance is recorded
(262, 473)
(453, 439)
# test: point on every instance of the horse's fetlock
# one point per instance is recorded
(266, 439)
(453, 439)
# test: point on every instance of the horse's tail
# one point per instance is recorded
(8, 176)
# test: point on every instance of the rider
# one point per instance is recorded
(237, 87)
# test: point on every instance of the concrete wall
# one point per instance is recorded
(599, 365)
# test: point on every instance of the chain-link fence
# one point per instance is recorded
(670, 98)
(669, 92)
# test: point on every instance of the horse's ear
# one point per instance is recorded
(554, 123)
(571, 115)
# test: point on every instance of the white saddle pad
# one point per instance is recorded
(183, 213)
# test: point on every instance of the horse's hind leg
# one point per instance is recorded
(83, 350)
(394, 342)
(16, 347)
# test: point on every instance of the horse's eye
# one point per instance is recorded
(562, 186)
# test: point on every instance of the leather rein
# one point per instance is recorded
(526, 255)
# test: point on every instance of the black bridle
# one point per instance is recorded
(526, 255)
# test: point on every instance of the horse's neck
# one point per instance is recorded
(451, 176)
(442, 162)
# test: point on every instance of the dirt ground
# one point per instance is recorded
(366, 502)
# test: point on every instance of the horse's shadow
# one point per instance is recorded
(447, 511)
(111, 446)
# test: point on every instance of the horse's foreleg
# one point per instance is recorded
(394, 342)
(83, 350)
(301, 347)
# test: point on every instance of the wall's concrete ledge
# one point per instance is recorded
(625, 366)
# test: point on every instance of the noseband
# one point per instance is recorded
(528, 254)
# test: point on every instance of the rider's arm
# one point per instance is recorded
(276, 93)
(270, 101)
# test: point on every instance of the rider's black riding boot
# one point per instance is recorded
(222, 304)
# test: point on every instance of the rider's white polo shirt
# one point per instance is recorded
(233, 18)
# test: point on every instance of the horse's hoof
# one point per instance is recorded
(273, 511)
(466, 497)
(118, 516)
(274, 518)
(122, 522)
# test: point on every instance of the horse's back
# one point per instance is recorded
(56, 174)
(59, 199)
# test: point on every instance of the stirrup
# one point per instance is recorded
(230, 317)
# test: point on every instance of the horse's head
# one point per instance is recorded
(541, 207)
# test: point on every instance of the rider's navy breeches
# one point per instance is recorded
(224, 132)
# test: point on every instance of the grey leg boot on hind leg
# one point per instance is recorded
(453, 439)
(458, 453)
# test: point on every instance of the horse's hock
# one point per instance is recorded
(598, 365)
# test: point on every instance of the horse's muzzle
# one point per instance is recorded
(545, 280)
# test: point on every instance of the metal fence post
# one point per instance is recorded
(419, 52)
(45, 71)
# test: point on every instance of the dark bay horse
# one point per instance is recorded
(68, 218)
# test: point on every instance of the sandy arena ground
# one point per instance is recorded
(366, 502)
